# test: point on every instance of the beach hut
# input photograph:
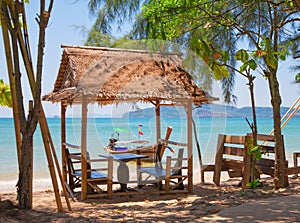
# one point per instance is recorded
(111, 76)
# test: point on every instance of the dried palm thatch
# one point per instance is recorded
(108, 76)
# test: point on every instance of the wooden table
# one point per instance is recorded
(123, 170)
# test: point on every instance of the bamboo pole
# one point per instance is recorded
(199, 151)
(50, 151)
(12, 85)
(83, 148)
(157, 115)
(45, 137)
(57, 165)
(63, 141)
(190, 145)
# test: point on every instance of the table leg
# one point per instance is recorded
(123, 175)
(123, 187)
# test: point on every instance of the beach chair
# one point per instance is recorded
(174, 168)
(96, 177)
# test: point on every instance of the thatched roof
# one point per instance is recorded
(108, 75)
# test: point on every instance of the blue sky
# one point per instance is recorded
(68, 15)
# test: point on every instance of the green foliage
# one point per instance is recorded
(219, 71)
(5, 94)
(254, 184)
(211, 29)
(256, 151)
(112, 13)
(242, 55)
(297, 78)
(95, 38)
(248, 62)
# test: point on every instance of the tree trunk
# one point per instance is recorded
(279, 181)
(24, 183)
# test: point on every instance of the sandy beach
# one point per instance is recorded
(207, 199)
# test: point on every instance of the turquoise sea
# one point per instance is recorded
(100, 129)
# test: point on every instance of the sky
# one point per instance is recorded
(64, 29)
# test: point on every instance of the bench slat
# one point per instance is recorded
(94, 174)
(234, 151)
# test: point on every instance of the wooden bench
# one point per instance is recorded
(236, 146)
(266, 165)
(231, 156)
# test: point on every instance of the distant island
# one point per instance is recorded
(208, 111)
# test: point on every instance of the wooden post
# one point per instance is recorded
(83, 148)
(63, 141)
(158, 128)
(190, 144)
(218, 159)
(247, 159)
(168, 175)
(110, 177)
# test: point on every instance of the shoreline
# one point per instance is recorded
(9, 186)
(45, 184)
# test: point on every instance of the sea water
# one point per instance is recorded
(99, 130)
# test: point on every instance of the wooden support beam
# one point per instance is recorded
(158, 127)
(190, 144)
(168, 174)
(219, 160)
(84, 187)
(172, 142)
(63, 141)
(247, 160)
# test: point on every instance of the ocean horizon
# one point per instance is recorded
(100, 130)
